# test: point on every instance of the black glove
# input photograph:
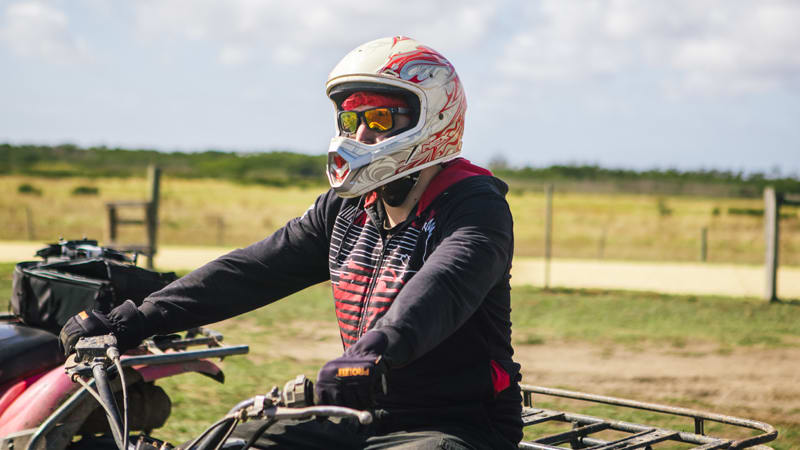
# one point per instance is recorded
(125, 322)
(353, 379)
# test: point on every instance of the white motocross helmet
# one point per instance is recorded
(430, 86)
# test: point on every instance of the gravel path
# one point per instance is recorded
(673, 278)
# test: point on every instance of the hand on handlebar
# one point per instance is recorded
(353, 379)
(124, 322)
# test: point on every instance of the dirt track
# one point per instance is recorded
(764, 384)
(759, 384)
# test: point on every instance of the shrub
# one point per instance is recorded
(29, 189)
(85, 190)
(758, 212)
(746, 211)
(663, 208)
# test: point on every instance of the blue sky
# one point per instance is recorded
(688, 84)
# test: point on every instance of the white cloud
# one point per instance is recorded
(288, 54)
(34, 29)
(286, 34)
(232, 55)
(756, 49)
(706, 46)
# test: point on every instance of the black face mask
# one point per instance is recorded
(395, 193)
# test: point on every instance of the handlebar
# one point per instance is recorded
(96, 354)
(283, 412)
(259, 407)
(364, 417)
(268, 408)
(93, 356)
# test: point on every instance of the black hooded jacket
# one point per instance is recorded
(436, 285)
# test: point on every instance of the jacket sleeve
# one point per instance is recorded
(473, 256)
(291, 259)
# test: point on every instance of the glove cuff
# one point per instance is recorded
(127, 324)
(398, 352)
(373, 342)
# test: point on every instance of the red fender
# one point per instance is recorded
(11, 390)
(203, 366)
(27, 403)
(37, 401)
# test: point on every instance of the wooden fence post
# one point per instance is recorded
(220, 230)
(704, 244)
(29, 223)
(771, 225)
(112, 223)
(601, 244)
(151, 215)
(548, 233)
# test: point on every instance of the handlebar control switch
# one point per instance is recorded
(89, 349)
(298, 393)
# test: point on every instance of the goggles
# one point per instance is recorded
(377, 119)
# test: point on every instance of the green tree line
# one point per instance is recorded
(660, 181)
(280, 168)
(272, 168)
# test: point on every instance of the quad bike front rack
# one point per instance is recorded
(634, 435)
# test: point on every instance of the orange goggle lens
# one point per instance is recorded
(378, 119)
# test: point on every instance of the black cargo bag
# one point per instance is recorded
(45, 295)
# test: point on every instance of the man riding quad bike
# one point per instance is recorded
(417, 244)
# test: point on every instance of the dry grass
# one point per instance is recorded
(190, 211)
(214, 212)
(641, 227)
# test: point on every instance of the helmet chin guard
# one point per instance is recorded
(429, 83)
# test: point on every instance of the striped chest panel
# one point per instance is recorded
(366, 272)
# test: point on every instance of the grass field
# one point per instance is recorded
(649, 347)
(213, 212)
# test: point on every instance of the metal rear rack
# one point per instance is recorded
(635, 435)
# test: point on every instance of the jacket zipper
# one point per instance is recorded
(363, 318)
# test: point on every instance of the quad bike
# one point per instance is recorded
(103, 375)
(95, 356)
(42, 408)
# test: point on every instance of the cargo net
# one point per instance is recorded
(555, 429)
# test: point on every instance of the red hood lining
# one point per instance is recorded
(453, 172)
(370, 199)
